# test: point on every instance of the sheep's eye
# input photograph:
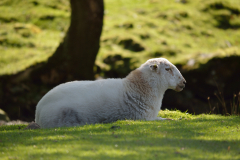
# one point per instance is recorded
(167, 69)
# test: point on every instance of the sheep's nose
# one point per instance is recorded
(184, 82)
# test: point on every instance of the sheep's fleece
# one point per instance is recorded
(136, 97)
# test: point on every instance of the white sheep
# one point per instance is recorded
(136, 97)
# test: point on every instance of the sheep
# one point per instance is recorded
(136, 97)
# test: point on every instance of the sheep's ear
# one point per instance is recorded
(153, 67)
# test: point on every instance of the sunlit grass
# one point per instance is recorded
(17, 58)
(187, 36)
(30, 31)
(186, 137)
(160, 26)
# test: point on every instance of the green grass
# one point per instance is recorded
(30, 31)
(183, 29)
(186, 137)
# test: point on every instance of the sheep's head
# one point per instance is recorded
(168, 74)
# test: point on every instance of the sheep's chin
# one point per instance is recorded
(178, 89)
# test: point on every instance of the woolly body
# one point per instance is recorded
(138, 96)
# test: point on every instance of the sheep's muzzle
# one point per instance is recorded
(180, 86)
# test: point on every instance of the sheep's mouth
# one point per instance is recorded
(179, 88)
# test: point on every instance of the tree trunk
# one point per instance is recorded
(74, 58)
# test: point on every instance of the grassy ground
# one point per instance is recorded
(186, 137)
(198, 30)
(169, 29)
(30, 31)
